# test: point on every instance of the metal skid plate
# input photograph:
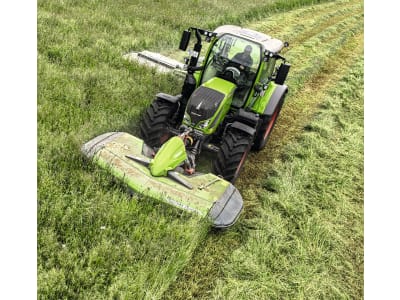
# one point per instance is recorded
(210, 196)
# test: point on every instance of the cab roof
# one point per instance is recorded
(269, 43)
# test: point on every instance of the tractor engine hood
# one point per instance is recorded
(210, 100)
(203, 104)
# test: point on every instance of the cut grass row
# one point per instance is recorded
(313, 18)
(340, 44)
(305, 96)
(315, 45)
(307, 240)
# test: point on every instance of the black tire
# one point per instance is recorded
(233, 152)
(154, 124)
(268, 123)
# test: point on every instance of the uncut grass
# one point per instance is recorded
(314, 72)
(307, 242)
(94, 241)
(155, 26)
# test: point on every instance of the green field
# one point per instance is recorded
(300, 235)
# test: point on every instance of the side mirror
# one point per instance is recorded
(185, 40)
(282, 73)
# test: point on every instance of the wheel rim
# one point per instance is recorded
(271, 124)
(240, 164)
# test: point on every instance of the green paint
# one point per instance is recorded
(207, 188)
(221, 85)
(260, 105)
(225, 87)
(197, 76)
(171, 155)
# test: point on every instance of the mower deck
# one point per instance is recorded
(162, 63)
(210, 195)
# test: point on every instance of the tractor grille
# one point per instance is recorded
(203, 104)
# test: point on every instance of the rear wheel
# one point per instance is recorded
(155, 122)
(266, 127)
(232, 154)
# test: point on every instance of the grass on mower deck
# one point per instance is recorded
(94, 241)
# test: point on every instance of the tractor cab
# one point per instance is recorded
(242, 56)
(234, 59)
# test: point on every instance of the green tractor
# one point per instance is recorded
(228, 106)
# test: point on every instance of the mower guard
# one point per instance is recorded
(211, 196)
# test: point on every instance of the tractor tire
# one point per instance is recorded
(266, 127)
(233, 152)
(155, 122)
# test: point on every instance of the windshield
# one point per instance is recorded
(232, 51)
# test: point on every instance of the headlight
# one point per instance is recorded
(204, 124)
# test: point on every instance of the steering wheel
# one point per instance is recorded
(235, 72)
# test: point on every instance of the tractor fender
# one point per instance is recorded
(247, 117)
(169, 98)
(244, 128)
(279, 93)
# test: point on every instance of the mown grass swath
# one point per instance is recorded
(94, 240)
(307, 240)
(304, 100)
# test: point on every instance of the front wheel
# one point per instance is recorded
(155, 122)
(232, 154)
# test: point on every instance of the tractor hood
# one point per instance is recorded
(203, 104)
(206, 195)
(208, 103)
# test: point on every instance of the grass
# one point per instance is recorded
(307, 241)
(95, 242)
(314, 75)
